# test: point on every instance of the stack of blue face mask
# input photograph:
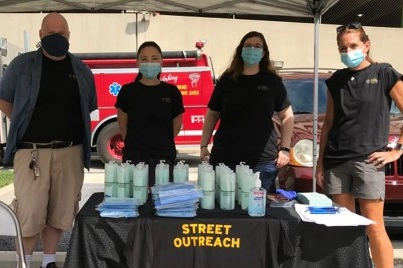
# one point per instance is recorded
(177, 199)
(115, 207)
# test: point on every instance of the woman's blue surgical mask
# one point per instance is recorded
(252, 55)
(55, 45)
(353, 58)
(150, 70)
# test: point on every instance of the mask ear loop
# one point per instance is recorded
(366, 53)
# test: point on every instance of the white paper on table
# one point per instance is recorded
(344, 218)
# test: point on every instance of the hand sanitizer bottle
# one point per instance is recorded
(257, 200)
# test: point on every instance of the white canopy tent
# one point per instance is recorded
(295, 8)
(266, 7)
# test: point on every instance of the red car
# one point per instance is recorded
(298, 174)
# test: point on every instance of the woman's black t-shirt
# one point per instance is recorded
(246, 132)
(361, 112)
(150, 111)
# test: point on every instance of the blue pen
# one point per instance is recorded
(323, 210)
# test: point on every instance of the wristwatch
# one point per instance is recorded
(398, 147)
(287, 149)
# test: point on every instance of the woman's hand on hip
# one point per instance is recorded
(380, 159)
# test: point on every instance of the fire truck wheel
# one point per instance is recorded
(110, 143)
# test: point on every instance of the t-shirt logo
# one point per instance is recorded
(263, 88)
(166, 100)
(372, 81)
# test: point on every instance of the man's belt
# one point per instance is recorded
(50, 145)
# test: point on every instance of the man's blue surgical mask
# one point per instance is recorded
(252, 55)
(150, 70)
(353, 58)
(55, 45)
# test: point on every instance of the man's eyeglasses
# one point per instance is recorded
(353, 25)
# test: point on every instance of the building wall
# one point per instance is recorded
(292, 43)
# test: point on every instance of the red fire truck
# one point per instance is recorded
(190, 71)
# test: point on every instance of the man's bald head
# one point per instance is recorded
(54, 23)
(54, 35)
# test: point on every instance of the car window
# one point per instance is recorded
(394, 109)
(300, 94)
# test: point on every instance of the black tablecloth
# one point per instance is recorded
(214, 238)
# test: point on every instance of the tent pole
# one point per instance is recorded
(137, 31)
(317, 20)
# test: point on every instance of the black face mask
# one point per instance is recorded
(55, 44)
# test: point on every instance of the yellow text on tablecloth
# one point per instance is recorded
(206, 235)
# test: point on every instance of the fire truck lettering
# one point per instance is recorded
(194, 92)
(169, 78)
(197, 119)
(180, 87)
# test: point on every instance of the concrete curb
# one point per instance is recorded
(398, 249)
(7, 194)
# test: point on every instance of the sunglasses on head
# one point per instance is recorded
(353, 25)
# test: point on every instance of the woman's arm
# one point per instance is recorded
(287, 124)
(122, 121)
(379, 159)
(324, 135)
(177, 124)
(396, 93)
(210, 120)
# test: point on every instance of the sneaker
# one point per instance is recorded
(51, 265)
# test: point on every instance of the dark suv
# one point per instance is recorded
(298, 174)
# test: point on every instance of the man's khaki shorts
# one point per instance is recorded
(52, 198)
